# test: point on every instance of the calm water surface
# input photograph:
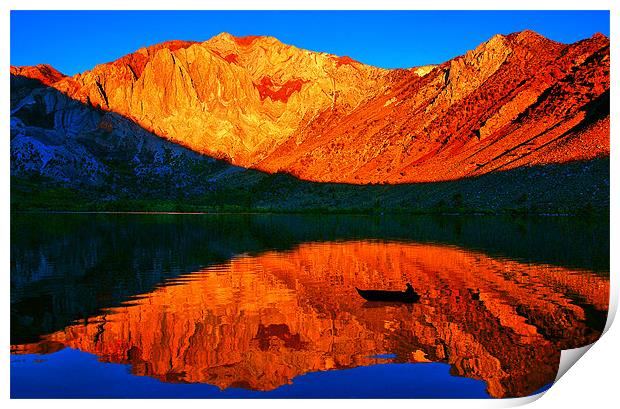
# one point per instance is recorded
(265, 306)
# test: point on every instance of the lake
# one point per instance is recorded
(265, 306)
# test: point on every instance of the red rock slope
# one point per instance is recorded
(515, 100)
(47, 74)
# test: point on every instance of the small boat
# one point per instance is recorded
(408, 296)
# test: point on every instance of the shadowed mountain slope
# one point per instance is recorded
(57, 139)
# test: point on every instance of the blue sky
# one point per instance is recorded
(74, 41)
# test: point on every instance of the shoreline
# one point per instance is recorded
(311, 213)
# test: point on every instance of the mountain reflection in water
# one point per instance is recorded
(259, 320)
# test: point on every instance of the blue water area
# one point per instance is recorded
(383, 356)
(74, 374)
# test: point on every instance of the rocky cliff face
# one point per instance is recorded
(63, 140)
(259, 321)
(235, 98)
(515, 100)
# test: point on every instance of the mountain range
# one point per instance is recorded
(187, 119)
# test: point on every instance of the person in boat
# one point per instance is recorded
(409, 289)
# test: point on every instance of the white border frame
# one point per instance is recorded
(592, 383)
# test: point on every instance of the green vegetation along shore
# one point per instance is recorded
(573, 188)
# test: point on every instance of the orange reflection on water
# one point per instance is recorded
(259, 321)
